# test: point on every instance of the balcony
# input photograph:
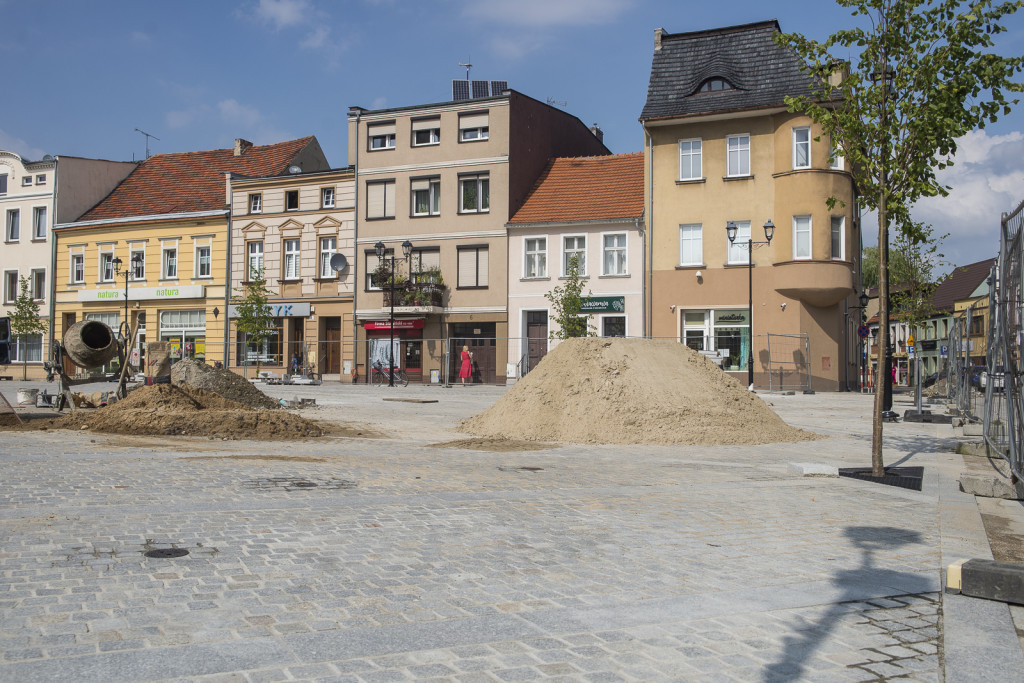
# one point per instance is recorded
(425, 298)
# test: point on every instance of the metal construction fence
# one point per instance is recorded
(787, 357)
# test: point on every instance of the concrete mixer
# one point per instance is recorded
(89, 344)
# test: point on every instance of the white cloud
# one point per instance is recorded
(283, 13)
(238, 114)
(545, 13)
(316, 39)
(23, 149)
(379, 103)
(185, 117)
(516, 47)
(140, 38)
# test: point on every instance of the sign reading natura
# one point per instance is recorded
(143, 293)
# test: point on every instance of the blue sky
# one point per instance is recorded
(80, 77)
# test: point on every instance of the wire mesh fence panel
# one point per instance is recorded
(787, 361)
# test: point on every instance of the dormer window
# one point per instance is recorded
(715, 85)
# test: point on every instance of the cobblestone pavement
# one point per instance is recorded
(393, 559)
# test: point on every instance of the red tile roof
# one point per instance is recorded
(191, 181)
(586, 189)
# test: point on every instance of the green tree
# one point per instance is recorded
(25, 322)
(567, 300)
(252, 312)
(924, 75)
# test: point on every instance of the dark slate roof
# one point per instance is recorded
(761, 73)
(960, 284)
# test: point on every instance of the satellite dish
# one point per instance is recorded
(293, 169)
(339, 262)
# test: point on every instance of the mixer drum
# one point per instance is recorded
(90, 343)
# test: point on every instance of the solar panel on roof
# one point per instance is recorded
(460, 90)
(480, 89)
(498, 87)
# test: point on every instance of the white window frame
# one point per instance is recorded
(474, 127)
(738, 252)
(38, 293)
(76, 269)
(327, 196)
(838, 233)
(798, 230)
(538, 255)
(41, 179)
(12, 223)
(11, 293)
(697, 244)
(298, 200)
(798, 142)
(39, 222)
(433, 191)
(292, 252)
(606, 250)
(693, 149)
(326, 252)
(737, 146)
(26, 181)
(381, 141)
(106, 269)
(567, 254)
(198, 257)
(256, 202)
(835, 158)
(253, 258)
(3, 184)
(138, 271)
(429, 128)
(169, 261)
(482, 181)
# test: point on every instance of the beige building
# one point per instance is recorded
(722, 151)
(445, 178)
(33, 196)
(298, 229)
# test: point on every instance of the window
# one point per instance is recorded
(426, 132)
(838, 231)
(26, 181)
(77, 269)
(269, 351)
(138, 261)
(41, 179)
(107, 267)
(614, 254)
(328, 247)
(13, 233)
(574, 245)
(739, 251)
(255, 203)
(3, 183)
(835, 157)
(472, 266)
(38, 284)
(691, 245)
(291, 200)
(39, 223)
(422, 262)
(715, 85)
(372, 263)
(473, 127)
(380, 200)
(426, 197)
(382, 136)
(802, 147)
(31, 346)
(535, 262)
(474, 193)
(977, 325)
(613, 326)
(254, 254)
(690, 160)
(170, 263)
(801, 237)
(203, 265)
(327, 197)
(291, 259)
(10, 286)
(738, 147)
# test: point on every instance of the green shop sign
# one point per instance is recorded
(603, 304)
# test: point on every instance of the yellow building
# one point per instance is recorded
(723, 152)
(154, 251)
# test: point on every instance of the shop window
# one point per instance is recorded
(269, 351)
(613, 326)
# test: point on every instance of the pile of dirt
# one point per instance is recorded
(220, 381)
(626, 391)
(164, 409)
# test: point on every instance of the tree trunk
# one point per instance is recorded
(877, 465)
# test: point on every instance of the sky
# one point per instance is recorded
(81, 77)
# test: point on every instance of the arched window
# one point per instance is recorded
(715, 85)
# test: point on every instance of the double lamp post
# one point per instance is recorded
(136, 261)
(731, 229)
(381, 254)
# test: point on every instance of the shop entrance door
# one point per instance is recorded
(536, 338)
(479, 337)
(332, 343)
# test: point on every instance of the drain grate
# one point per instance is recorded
(166, 552)
(295, 484)
(519, 468)
(902, 477)
(304, 484)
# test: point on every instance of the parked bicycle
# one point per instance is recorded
(381, 375)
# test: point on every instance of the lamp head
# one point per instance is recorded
(136, 258)
(864, 299)
(769, 230)
(379, 248)
(406, 248)
(116, 262)
(730, 230)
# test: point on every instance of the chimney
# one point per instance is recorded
(658, 33)
(241, 146)
(598, 133)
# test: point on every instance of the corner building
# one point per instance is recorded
(446, 178)
(721, 148)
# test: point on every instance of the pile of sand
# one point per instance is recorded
(164, 409)
(220, 381)
(631, 391)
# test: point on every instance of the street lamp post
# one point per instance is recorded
(381, 252)
(769, 232)
(136, 260)
(863, 299)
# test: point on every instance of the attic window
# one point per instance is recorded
(715, 85)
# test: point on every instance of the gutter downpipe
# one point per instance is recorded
(53, 260)
(227, 276)
(649, 241)
(355, 258)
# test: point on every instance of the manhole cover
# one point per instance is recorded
(304, 484)
(167, 552)
(292, 484)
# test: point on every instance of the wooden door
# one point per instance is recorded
(537, 338)
(332, 343)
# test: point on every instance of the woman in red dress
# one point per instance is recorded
(467, 365)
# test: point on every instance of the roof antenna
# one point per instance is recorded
(561, 103)
(468, 67)
(148, 136)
